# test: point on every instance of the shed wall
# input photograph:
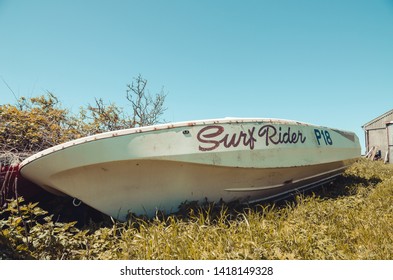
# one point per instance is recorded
(378, 134)
(390, 141)
(378, 138)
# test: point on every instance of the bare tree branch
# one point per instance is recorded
(146, 109)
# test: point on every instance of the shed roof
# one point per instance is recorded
(378, 118)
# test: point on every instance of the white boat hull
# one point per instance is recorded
(154, 168)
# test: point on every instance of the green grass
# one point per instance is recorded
(349, 219)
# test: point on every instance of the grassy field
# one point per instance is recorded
(351, 218)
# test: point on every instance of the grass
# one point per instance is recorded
(349, 219)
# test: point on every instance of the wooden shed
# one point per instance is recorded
(379, 137)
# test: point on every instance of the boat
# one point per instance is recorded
(154, 168)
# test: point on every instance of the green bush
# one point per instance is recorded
(34, 124)
(37, 123)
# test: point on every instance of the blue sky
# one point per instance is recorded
(323, 62)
